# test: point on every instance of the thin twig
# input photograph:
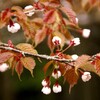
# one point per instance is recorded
(55, 58)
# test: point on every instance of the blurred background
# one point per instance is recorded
(11, 88)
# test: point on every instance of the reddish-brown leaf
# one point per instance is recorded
(26, 48)
(5, 56)
(97, 64)
(19, 68)
(5, 13)
(28, 63)
(40, 36)
(18, 11)
(71, 77)
(54, 1)
(49, 42)
(83, 62)
(69, 13)
(63, 68)
(46, 66)
(49, 17)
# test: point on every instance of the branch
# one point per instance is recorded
(55, 58)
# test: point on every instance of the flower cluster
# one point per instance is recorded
(46, 87)
(46, 83)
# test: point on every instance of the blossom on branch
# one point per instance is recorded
(86, 76)
(86, 33)
(30, 12)
(56, 74)
(75, 42)
(57, 88)
(46, 90)
(74, 56)
(3, 67)
(46, 82)
(56, 40)
(14, 28)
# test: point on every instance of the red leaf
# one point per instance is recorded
(82, 60)
(97, 64)
(10, 44)
(19, 68)
(71, 77)
(28, 63)
(40, 36)
(84, 63)
(63, 68)
(50, 44)
(4, 13)
(26, 48)
(45, 68)
(92, 2)
(69, 13)
(49, 17)
(5, 56)
(18, 11)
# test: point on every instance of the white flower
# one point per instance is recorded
(14, 28)
(75, 41)
(74, 56)
(31, 10)
(44, 83)
(3, 67)
(56, 74)
(76, 20)
(46, 90)
(86, 33)
(57, 88)
(86, 76)
(56, 40)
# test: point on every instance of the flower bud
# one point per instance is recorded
(46, 82)
(74, 56)
(14, 28)
(75, 42)
(86, 33)
(86, 76)
(30, 12)
(56, 74)
(46, 90)
(56, 40)
(76, 20)
(3, 67)
(57, 88)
